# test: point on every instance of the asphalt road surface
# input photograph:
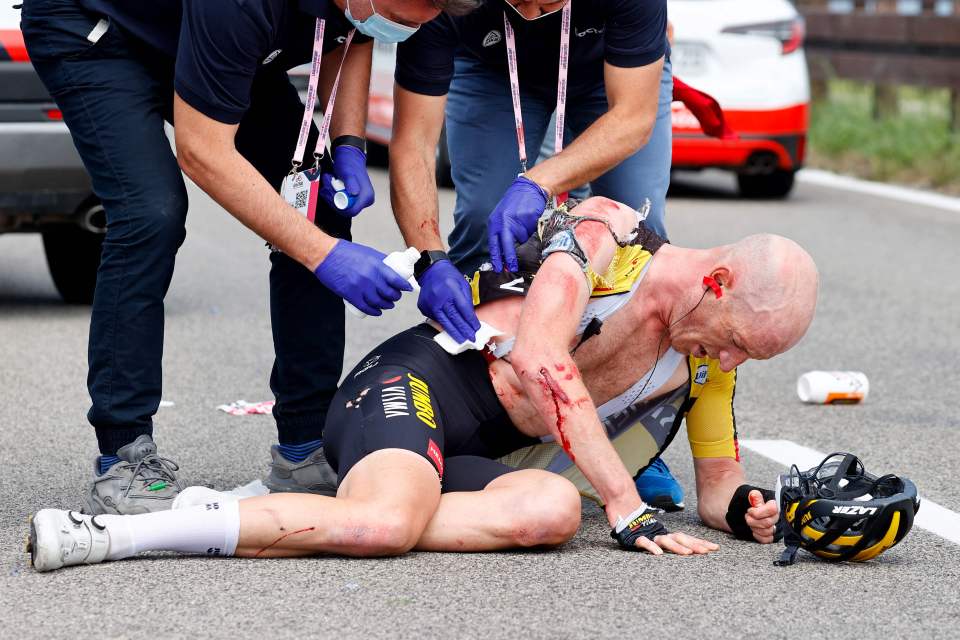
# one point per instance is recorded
(890, 299)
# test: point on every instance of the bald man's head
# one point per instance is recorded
(773, 286)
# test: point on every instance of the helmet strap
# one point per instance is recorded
(789, 555)
(792, 542)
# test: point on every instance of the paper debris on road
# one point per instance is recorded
(251, 489)
(244, 408)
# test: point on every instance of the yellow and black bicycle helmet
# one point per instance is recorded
(838, 511)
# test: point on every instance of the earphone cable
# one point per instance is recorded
(663, 335)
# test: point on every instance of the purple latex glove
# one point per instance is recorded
(350, 167)
(357, 274)
(445, 296)
(513, 221)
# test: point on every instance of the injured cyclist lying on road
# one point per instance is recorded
(609, 339)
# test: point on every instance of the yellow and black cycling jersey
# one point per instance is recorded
(711, 422)
(642, 432)
(624, 271)
(640, 428)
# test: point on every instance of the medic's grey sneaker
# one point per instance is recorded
(65, 538)
(313, 475)
(142, 482)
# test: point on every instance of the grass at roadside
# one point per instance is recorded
(915, 147)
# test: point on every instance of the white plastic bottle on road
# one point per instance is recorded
(833, 387)
(402, 262)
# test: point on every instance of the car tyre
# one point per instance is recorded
(73, 256)
(444, 178)
(768, 186)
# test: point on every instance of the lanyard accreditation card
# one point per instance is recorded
(300, 189)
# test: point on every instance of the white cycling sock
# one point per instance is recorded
(210, 529)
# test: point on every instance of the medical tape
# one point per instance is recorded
(563, 221)
(561, 86)
(311, 100)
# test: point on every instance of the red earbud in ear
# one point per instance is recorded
(710, 283)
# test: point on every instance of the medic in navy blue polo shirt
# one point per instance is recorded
(118, 70)
(612, 86)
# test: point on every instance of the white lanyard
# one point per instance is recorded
(561, 82)
(312, 98)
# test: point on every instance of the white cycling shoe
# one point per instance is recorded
(65, 538)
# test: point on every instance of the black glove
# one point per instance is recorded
(739, 504)
(642, 523)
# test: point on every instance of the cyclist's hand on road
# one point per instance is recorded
(641, 531)
(679, 543)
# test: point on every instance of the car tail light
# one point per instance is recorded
(789, 32)
(12, 47)
(54, 114)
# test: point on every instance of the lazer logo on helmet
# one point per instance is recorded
(824, 513)
(855, 511)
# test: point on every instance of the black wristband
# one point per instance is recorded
(427, 259)
(353, 141)
(644, 525)
(739, 504)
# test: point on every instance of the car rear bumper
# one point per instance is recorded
(41, 173)
(774, 133)
(700, 152)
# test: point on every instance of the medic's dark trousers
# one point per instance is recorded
(115, 96)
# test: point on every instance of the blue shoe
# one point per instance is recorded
(659, 488)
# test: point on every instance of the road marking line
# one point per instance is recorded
(905, 194)
(932, 517)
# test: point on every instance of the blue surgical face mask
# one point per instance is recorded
(379, 28)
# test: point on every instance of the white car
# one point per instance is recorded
(748, 54)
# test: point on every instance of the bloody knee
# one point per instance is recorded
(549, 514)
